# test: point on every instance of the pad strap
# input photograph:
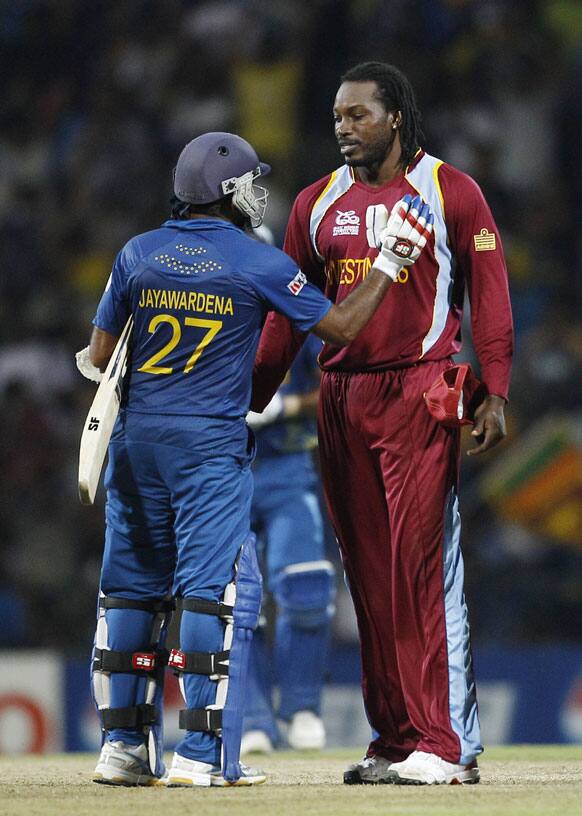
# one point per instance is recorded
(200, 719)
(199, 662)
(130, 717)
(108, 660)
(107, 602)
(205, 607)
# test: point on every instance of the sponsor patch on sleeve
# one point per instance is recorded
(297, 284)
(485, 241)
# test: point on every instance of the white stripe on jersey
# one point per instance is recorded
(424, 179)
(339, 183)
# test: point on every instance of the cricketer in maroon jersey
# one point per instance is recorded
(390, 471)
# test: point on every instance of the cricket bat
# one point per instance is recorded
(101, 419)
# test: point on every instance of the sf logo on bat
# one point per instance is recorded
(93, 424)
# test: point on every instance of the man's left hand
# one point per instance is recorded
(489, 427)
(86, 367)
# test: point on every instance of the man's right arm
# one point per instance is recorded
(281, 341)
(401, 237)
(345, 320)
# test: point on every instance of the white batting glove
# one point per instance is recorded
(270, 414)
(376, 222)
(86, 367)
(400, 236)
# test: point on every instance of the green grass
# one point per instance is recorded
(516, 780)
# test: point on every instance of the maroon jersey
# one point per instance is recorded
(420, 319)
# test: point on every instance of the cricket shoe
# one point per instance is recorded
(370, 770)
(421, 768)
(256, 742)
(188, 773)
(306, 732)
(121, 764)
(249, 776)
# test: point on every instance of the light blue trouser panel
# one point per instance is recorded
(463, 709)
(287, 518)
(178, 504)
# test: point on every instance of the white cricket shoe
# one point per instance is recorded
(249, 776)
(421, 768)
(306, 732)
(188, 773)
(121, 764)
(256, 742)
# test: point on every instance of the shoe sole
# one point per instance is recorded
(354, 777)
(187, 782)
(122, 781)
(454, 780)
(206, 780)
(357, 780)
(382, 781)
(244, 781)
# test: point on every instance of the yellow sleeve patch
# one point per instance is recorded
(484, 241)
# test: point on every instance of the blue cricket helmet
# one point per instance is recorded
(217, 164)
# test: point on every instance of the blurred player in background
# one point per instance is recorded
(287, 518)
(179, 480)
(390, 470)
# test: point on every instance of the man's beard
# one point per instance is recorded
(374, 154)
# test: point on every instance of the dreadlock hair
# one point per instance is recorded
(396, 94)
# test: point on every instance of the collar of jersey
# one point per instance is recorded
(199, 223)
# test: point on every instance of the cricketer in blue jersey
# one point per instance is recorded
(286, 516)
(178, 480)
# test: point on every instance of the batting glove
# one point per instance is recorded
(271, 413)
(86, 367)
(400, 236)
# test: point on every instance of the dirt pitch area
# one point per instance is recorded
(529, 780)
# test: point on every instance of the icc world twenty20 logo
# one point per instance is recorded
(346, 223)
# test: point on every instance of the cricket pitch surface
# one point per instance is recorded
(528, 780)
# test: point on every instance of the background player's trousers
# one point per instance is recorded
(285, 514)
(390, 476)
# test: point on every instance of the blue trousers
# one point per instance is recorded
(179, 491)
(287, 519)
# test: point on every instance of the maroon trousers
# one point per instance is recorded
(390, 476)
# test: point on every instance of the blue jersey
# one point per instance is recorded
(294, 435)
(199, 291)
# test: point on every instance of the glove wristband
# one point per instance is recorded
(388, 267)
